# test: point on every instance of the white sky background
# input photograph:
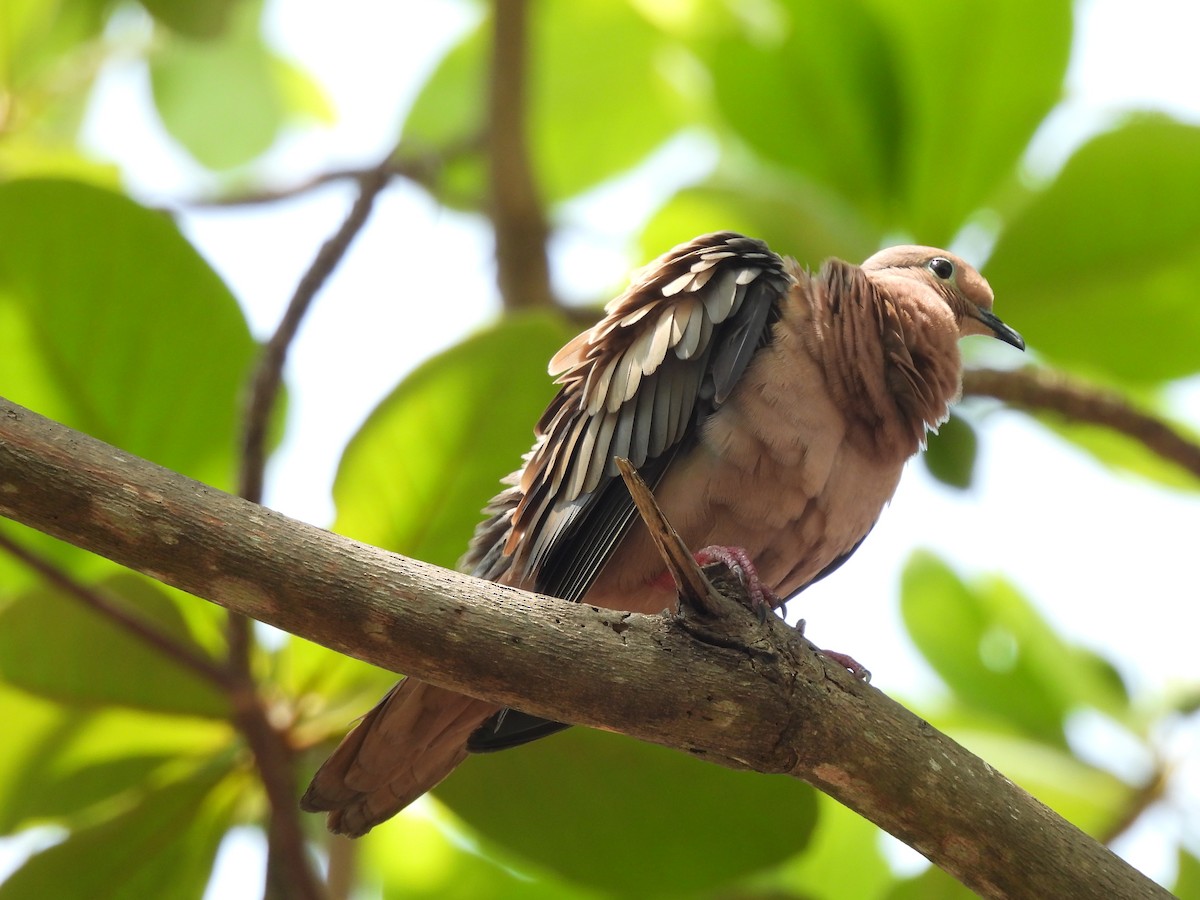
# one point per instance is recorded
(1104, 557)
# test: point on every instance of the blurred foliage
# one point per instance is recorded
(836, 125)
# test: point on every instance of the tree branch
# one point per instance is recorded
(421, 169)
(1041, 390)
(764, 702)
(269, 374)
(519, 223)
(418, 171)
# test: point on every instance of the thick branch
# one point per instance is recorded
(522, 269)
(1042, 390)
(764, 701)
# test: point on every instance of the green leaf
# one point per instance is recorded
(110, 322)
(301, 93)
(1187, 882)
(842, 859)
(950, 454)
(932, 884)
(443, 866)
(1089, 797)
(995, 651)
(72, 766)
(26, 155)
(448, 116)
(38, 37)
(609, 812)
(913, 112)
(328, 690)
(97, 662)
(220, 98)
(816, 94)
(31, 725)
(163, 847)
(1099, 272)
(1124, 454)
(431, 454)
(206, 19)
(795, 218)
(975, 82)
(632, 104)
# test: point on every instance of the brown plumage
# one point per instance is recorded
(771, 409)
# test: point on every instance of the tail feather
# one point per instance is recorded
(410, 741)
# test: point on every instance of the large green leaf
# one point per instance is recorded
(37, 38)
(1089, 797)
(597, 112)
(163, 847)
(94, 661)
(328, 691)
(610, 812)
(1100, 271)
(794, 217)
(843, 859)
(226, 100)
(1124, 454)
(205, 19)
(111, 322)
(442, 866)
(69, 766)
(999, 655)
(816, 92)
(914, 112)
(932, 884)
(431, 454)
(593, 112)
(975, 81)
(1187, 883)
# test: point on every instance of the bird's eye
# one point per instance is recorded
(941, 267)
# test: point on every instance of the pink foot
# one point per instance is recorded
(762, 598)
(857, 669)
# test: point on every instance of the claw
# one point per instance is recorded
(857, 669)
(762, 598)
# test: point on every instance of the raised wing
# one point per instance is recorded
(667, 353)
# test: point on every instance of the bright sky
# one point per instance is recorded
(1081, 542)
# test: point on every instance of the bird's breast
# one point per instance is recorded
(776, 471)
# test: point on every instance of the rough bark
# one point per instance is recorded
(728, 689)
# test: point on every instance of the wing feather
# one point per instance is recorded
(666, 354)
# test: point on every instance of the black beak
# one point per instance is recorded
(1002, 331)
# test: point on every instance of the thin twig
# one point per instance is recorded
(522, 269)
(1145, 797)
(154, 637)
(421, 169)
(1041, 390)
(417, 171)
(269, 375)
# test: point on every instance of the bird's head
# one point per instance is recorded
(964, 290)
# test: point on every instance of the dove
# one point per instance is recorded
(770, 408)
